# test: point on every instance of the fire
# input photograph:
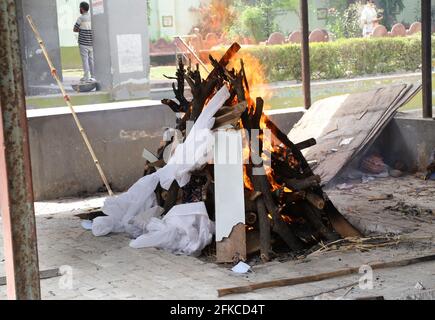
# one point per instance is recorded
(255, 77)
(257, 87)
(287, 219)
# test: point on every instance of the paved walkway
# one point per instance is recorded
(106, 268)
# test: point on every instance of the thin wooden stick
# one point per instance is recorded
(68, 102)
(321, 276)
(44, 274)
(350, 285)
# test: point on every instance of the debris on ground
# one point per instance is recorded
(345, 186)
(363, 244)
(410, 210)
(419, 286)
(382, 198)
(374, 164)
(431, 168)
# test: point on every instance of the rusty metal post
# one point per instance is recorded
(426, 17)
(16, 191)
(305, 49)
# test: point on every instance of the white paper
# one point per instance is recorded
(130, 58)
(346, 142)
(241, 268)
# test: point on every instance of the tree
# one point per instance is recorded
(289, 5)
(216, 16)
(391, 9)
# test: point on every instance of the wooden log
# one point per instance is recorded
(158, 164)
(250, 205)
(316, 200)
(91, 215)
(279, 226)
(303, 184)
(179, 88)
(172, 197)
(306, 144)
(291, 197)
(230, 118)
(322, 276)
(44, 274)
(340, 223)
(232, 248)
(251, 218)
(264, 225)
(226, 58)
(315, 219)
(286, 141)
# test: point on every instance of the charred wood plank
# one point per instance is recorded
(232, 117)
(316, 200)
(175, 107)
(315, 219)
(172, 196)
(226, 58)
(306, 144)
(265, 228)
(303, 184)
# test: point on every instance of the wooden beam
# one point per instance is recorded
(16, 189)
(305, 50)
(426, 16)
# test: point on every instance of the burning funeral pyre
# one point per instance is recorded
(284, 203)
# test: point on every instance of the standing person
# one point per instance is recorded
(369, 18)
(84, 27)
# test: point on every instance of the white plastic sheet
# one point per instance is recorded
(186, 229)
(121, 209)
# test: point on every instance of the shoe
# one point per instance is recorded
(91, 80)
(84, 79)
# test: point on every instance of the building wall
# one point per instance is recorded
(67, 14)
(289, 21)
(411, 13)
(184, 18)
(37, 76)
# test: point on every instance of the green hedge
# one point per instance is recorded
(344, 58)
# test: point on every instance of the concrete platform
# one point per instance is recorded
(106, 268)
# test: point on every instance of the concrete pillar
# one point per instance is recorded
(37, 77)
(121, 46)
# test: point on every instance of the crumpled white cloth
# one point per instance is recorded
(186, 229)
(187, 157)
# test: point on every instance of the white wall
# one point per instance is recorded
(67, 14)
(411, 12)
(184, 17)
(289, 21)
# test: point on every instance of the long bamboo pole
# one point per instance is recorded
(68, 102)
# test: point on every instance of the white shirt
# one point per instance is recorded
(368, 17)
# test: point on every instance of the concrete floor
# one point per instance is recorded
(106, 268)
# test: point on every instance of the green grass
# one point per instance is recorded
(292, 97)
(57, 101)
(70, 58)
(158, 73)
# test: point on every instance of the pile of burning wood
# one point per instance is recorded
(284, 202)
